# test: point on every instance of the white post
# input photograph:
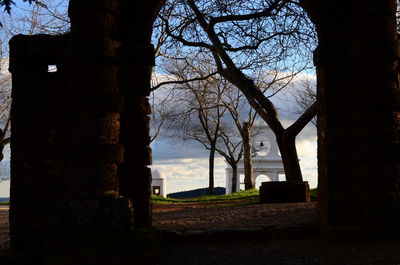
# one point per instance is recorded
(228, 186)
(164, 187)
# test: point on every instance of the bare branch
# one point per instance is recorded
(200, 78)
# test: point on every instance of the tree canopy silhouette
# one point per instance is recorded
(272, 39)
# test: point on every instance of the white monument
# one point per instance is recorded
(158, 183)
(266, 160)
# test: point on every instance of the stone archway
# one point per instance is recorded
(261, 178)
(111, 39)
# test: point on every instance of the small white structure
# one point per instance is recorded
(266, 161)
(158, 183)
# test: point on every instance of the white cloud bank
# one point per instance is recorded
(185, 170)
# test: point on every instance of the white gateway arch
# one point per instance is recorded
(266, 160)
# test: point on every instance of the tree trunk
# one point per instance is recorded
(234, 177)
(248, 163)
(211, 157)
(287, 147)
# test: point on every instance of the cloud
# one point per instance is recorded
(186, 164)
(191, 173)
(4, 189)
(164, 148)
(186, 174)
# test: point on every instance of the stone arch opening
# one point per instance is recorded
(260, 178)
(97, 180)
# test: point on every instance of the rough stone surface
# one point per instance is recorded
(81, 133)
(284, 191)
(358, 122)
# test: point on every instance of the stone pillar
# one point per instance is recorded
(94, 104)
(136, 64)
(358, 115)
(37, 182)
(69, 165)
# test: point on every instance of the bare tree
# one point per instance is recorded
(201, 106)
(305, 95)
(41, 17)
(245, 39)
(164, 111)
(243, 117)
(230, 147)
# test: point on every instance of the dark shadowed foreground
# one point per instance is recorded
(191, 234)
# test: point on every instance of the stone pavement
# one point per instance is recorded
(4, 237)
(191, 219)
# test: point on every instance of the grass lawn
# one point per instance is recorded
(238, 198)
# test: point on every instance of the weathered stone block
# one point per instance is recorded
(92, 127)
(95, 47)
(138, 55)
(138, 106)
(97, 101)
(92, 179)
(136, 125)
(91, 76)
(138, 155)
(96, 25)
(78, 7)
(34, 53)
(130, 84)
(134, 180)
(94, 153)
(284, 191)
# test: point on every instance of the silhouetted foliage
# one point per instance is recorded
(8, 3)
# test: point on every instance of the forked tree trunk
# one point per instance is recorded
(248, 163)
(234, 177)
(290, 159)
(211, 160)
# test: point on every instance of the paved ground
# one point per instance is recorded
(188, 217)
(190, 221)
(4, 237)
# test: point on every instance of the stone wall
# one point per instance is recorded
(358, 116)
(38, 134)
(80, 135)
